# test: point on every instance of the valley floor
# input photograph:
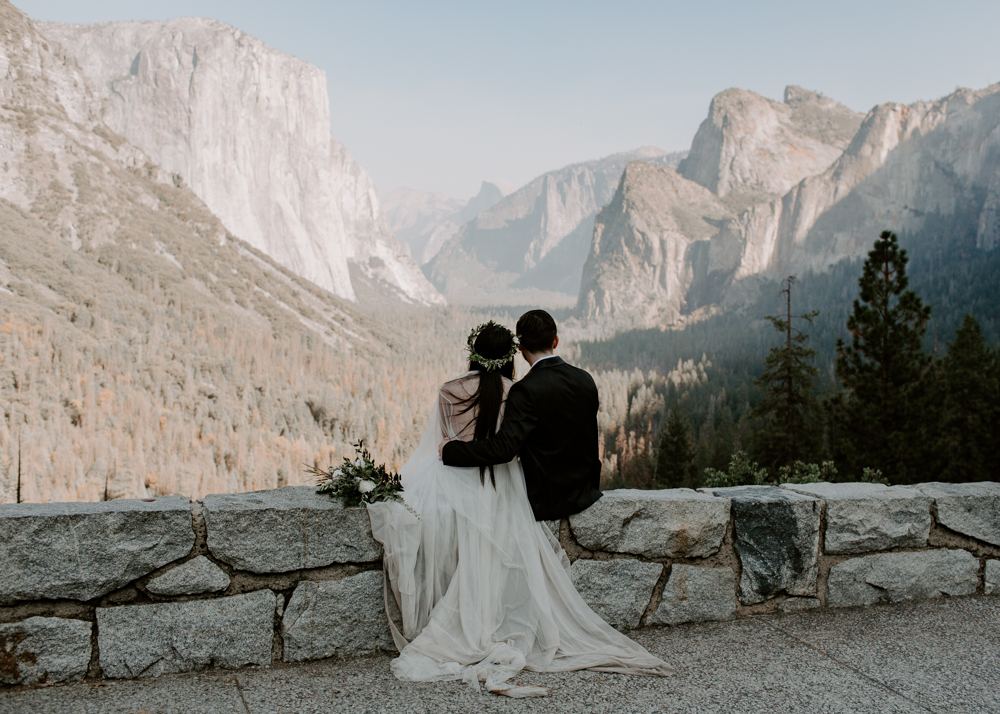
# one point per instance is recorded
(933, 656)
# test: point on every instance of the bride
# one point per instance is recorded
(480, 590)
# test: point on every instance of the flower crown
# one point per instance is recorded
(491, 365)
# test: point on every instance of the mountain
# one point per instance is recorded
(144, 350)
(248, 129)
(530, 247)
(901, 166)
(647, 247)
(750, 145)
(425, 221)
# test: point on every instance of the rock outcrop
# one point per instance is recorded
(426, 221)
(751, 145)
(905, 163)
(648, 247)
(248, 129)
(531, 246)
(807, 184)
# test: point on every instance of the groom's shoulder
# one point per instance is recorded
(578, 374)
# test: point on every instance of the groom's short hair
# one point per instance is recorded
(537, 331)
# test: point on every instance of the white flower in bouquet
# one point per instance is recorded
(359, 462)
(366, 486)
(338, 473)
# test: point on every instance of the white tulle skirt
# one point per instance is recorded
(477, 590)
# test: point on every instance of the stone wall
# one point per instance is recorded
(132, 588)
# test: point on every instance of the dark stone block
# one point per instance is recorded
(776, 539)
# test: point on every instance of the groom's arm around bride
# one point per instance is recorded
(550, 420)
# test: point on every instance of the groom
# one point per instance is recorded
(550, 421)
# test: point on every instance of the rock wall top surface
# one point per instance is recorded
(83, 550)
(286, 529)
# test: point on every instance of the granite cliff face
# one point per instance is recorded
(648, 247)
(426, 221)
(750, 145)
(901, 164)
(248, 128)
(531, 246)
(904, 163)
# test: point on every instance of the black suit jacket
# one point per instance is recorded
(550, 420)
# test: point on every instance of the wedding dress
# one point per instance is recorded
(479, 589)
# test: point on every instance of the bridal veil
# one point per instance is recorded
(477, 590)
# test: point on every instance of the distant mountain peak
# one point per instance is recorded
(753, 145)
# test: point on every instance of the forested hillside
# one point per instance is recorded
(946, 270)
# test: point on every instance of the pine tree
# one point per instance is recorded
(995, 420)
(883, 367)
(966, 439)
(789, 409)
(675, 467)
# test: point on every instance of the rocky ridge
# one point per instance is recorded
(426, 221)
(805, 184)
(750, 145)
(247, 127)
(648, 247)
(531, 246)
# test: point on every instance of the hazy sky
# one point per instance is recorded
(440, 95)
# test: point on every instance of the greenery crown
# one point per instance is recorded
(491, 365)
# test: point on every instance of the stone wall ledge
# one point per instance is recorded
(669, 523)
(81, 551)
(972, 509)
(142, 588)
(869, 517)
(286, 529)
(777, 541)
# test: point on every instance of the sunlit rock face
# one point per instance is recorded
(531, 246)
(905, 163)
(248, 128)
(806, 184)
(144, 351)
(753, 145)
(646, 253)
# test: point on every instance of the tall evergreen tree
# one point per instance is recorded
(675, 467)
(789, 409)
(883, 367)
(966, 443)
(995, 420)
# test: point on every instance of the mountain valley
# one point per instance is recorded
(201, 291)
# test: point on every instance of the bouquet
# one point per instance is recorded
(360, 481)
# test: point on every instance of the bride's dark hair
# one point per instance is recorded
(493, 342)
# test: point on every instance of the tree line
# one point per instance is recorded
(899, 415)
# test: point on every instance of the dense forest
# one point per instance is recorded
(717, 422)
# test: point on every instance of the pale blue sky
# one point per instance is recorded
(439, 95)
